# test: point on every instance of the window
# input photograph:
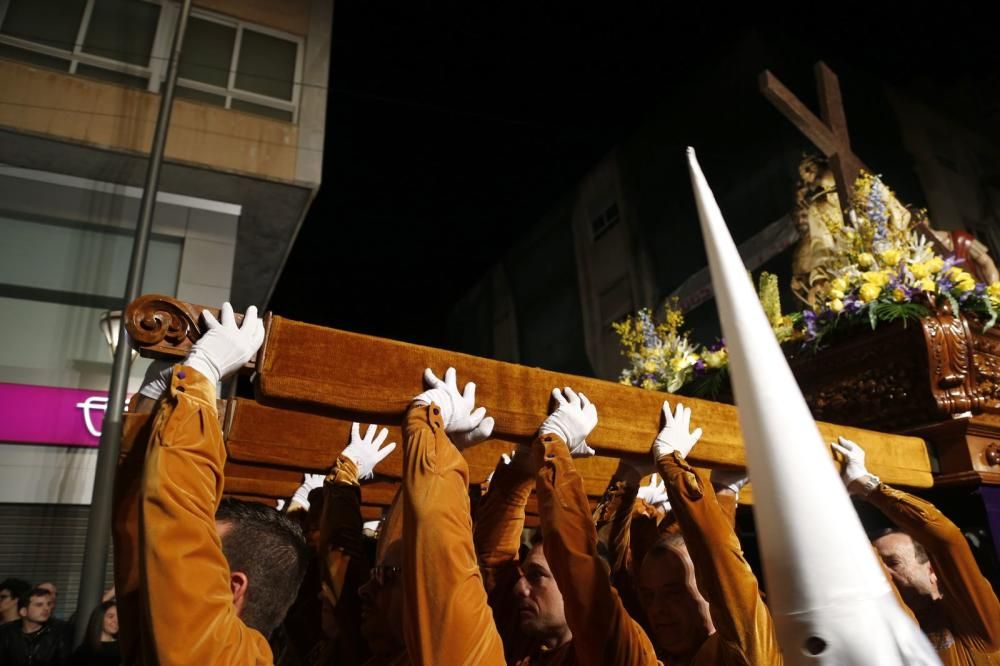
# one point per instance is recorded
(235, 65)
(225, 62)
(604, 221)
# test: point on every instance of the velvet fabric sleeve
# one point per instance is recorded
(185, 576)
(125, 533)
(446, 616)
(603, 631)
(500, 519)
(744, 628)
(968, 597)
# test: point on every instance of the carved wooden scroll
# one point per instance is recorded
(328, 378)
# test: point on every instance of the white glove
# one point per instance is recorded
(371, 526)
(675, 435)
(655, 492)
(279, 504)
(729, 478)
(156, 379)
(225, 348)
(310, 483)
(364, 451)
(465, 425)
(575, 417)
(854, 461)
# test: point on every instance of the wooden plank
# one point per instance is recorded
(309, 441)
(330, 369)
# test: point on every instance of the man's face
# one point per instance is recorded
(916, 581)
(8, 603)
(539, 601)
(53, 590)
(678, 615)
(382, 604)
(39, 609)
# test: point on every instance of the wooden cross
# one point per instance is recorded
(829, 133)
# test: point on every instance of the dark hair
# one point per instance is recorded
(919, 552)
(24, 600)
(96, 625)
(15, 586)
(270, 549)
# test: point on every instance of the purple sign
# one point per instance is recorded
(51, 415)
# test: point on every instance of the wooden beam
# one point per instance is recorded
(340, 377)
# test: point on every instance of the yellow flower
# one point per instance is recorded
(928, 284)
(919, 270)
(963, 280)
(677, 363)
(836, 294)
(870, 291)
(898, 295)
(839, 284)
(649, 366)
(865, 260)
(715, 359)
(935, 264)
(836, 305)
(878, 278)
(993, 292)
(890, 257)
(648, 384)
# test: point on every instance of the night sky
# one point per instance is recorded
(451, 129)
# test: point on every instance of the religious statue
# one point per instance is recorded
(826, 241)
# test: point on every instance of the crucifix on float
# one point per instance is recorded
(829, 132)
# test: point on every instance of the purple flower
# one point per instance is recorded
(717, 345)
(699, 367)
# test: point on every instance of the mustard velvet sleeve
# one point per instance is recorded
(340, 524)
(446, 616)
(744, 627)
(125, 533)
(972, 605)
(500, 517)
(185, 576)
(603, 631)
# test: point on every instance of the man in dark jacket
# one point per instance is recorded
(35, 640)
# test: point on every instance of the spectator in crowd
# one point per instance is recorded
(35, 640)
(54, 591)
(11, 590)
(100, 644)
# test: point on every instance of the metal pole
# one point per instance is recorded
(99, 523)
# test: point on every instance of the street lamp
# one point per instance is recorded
(111, 324)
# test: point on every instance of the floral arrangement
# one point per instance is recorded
(888, 271)
(884, 270)
(662, 357)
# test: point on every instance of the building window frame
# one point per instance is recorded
(154, 72)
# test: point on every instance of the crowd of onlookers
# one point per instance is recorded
(32, 635)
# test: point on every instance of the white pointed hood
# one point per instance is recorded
(828, 595)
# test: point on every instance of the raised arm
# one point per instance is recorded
(603, 631)
(185, 577)
(447, 618)
(722, 574)
(972, 605)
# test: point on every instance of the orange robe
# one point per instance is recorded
(603, 631)
(744, 630)
(965, 624)
(447, 619)
(176, 604)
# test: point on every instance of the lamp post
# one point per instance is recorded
(111, 323)
(99, 521)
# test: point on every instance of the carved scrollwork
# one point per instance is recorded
(160, 325)
(949, 355)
